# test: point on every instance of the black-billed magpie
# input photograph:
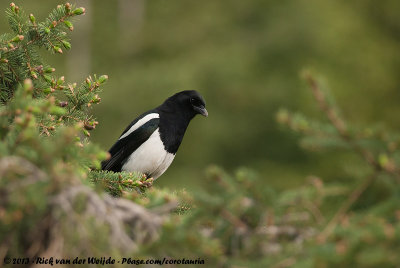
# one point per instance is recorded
(149, 144)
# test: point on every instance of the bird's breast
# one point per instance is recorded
(150, 158)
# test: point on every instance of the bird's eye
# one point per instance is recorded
(195, 102)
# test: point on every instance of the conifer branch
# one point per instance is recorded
(340, 126)
(344, 208)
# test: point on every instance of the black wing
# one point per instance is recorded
(124, 147)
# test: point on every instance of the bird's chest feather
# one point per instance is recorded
(150, 158)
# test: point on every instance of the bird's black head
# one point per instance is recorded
(190, 103)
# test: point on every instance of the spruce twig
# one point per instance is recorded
(344, 208)
(340, 125)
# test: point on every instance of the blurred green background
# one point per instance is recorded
(245, 57)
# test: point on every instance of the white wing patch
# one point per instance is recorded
(150, 158)
(140, 123)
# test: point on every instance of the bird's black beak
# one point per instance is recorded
(201, 110)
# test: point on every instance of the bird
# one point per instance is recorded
(149, 143)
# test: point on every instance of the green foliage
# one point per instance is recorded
(54, 200)
(117, 184)
(45, 155)
(36, 123)
(363, 230)
(19, 54)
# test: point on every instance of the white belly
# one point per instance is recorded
(150, 158)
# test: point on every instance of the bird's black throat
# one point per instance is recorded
(173, 124)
